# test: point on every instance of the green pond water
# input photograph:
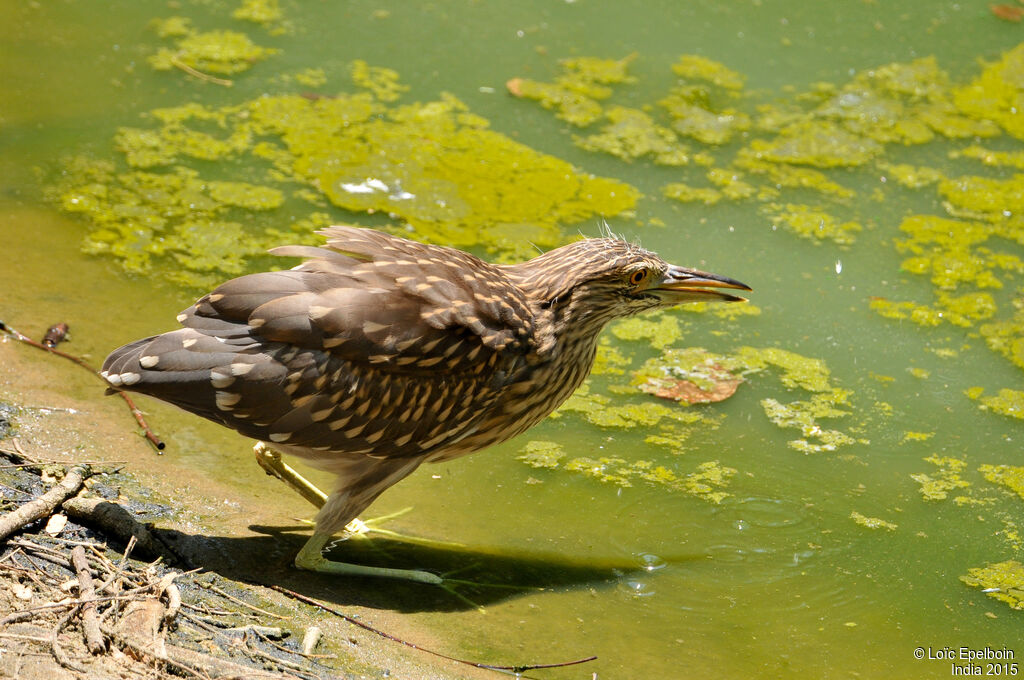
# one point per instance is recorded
(859, 164)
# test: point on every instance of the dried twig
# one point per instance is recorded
(149, 434)
(44, 505)
(518, 669)
(17, 335)
(55, 649)
(234, 599)
(90, 624)
(177, 63)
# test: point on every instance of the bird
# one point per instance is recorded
(378, 353)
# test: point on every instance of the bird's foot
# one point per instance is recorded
(358, 528)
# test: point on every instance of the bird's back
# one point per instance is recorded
(374, 345)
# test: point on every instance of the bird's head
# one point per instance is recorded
(601, 279)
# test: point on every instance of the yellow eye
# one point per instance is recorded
(638, 277)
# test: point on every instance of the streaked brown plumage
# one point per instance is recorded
(377, 353)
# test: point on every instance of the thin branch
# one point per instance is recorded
(90, 624)
(518, 669)
(199, 74)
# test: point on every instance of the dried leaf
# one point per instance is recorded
(683, 390)
(1008, 12)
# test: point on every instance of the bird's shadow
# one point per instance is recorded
(474, 577)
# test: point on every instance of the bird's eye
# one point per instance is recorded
(638, 277)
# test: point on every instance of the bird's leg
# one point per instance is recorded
(311, 556)
(270, 461)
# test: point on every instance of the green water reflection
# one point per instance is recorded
(832, 561)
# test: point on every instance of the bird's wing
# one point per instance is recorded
(373, 345)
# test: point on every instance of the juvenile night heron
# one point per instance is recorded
(377, 354)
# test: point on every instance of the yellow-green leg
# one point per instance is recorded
(311, 556)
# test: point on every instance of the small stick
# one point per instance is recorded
(283, 663)
(17, 335)
(150, 435)
(220, 592)
(55, 649)
(519, 669)
(199, 74)
(90, 624)
(44, 505)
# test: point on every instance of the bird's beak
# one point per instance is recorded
(680, 284)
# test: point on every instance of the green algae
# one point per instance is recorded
(872, 522)
(693, 115)
(266, 13)
(221, 51)
(1010, 476)
(609, 359)
(1007, 403)
(435, 168)
(575, 94)
(659, 329)
(542, 454)
(383, 83)
(696, 67)
(1003, 581)
(685, 193)
(1006, 337)
(795, 370)
(804, 415)
(599, 410)
(995, 95)
(728, 312)
(991, 157)
(910, 176)
(731, 184)
(140, 216)
(911, 436)
(959, 254)
(820, 144)
(707, 482)
(947, 478)
(783, 176)
(631, 134)
(172, 27)
(919, 314)
(811, 375)
(311, 77)
(984, 197)
(814, 224)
